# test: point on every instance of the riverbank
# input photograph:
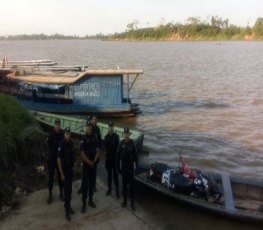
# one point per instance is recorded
(22, 152)
(34, 213)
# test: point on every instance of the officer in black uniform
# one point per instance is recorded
(127, 160)
(66, 159)
(53, 141)
(96, 131)
(111, 143)
(89, 153)
(81, 185)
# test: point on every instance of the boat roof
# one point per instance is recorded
(70, 77)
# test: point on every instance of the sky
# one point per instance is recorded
(89, 17)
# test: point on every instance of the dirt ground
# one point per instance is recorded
(34, 213)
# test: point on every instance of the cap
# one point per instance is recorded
(111, 124)
(126, 130)
(67, 130)
(88, 123)
(57, 121)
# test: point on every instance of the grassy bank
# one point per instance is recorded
(188, 33)
(21, 148)
(194, 30)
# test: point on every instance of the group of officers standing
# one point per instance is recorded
(121, 157)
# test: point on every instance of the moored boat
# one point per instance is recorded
(242, 197)
(77, 126)
(43, 62)
(60, 68)
(104, 92)
(4, 71)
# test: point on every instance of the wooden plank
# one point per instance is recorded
(248, 204)
(228, 195)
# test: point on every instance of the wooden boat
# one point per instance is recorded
(77, 126)
(60, 68)
(242, 198)
(5, 71)
(44, 62)
(103, 92)
(25, 61)
(43, 65)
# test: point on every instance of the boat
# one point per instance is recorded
(60, 68)
(5, 60)
(100, 92)
(77, 126)
(43, 62)
(7, 67)
(4, 71)
(43, 65)
(242, 197)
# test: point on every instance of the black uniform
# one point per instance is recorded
(89, 145)
(53, 141)
(96, 131)
(67, 157)
(111, 143)
(126, 157)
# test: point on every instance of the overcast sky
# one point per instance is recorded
(82, 17)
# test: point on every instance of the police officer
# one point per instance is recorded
(127, 160)
(89, 153)
(111, 143)
(81, 185)
(53, 141)
(96, 131)
(66, 159)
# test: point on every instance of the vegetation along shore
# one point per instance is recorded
(22, 145)
(193, 30)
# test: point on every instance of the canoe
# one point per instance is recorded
(44, 62)
(242, 197)
(34, 64)
(28, 61)
(77, 126)
(77, 68)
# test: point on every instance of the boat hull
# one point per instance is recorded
(77, 126)
(219, 209)
(123, 110)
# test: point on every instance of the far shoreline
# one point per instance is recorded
(138, 40)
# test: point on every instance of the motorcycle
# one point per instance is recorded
(192, 182)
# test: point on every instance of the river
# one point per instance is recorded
(204, 98)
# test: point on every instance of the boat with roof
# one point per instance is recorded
(101, 92)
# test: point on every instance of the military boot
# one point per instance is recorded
(67, 216)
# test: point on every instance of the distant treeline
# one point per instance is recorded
(38, 37)
(193, 29)
(51, 37)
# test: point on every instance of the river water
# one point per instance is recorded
(204, 98)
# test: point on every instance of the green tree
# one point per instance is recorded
(194, 20)
(258, 27)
